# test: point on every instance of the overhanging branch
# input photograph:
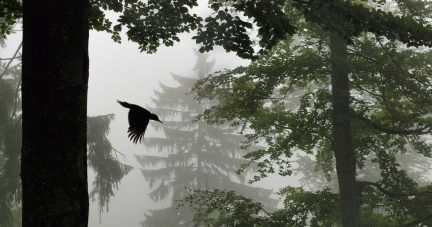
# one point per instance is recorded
(419, 221)
(378, 186)
(420, 131)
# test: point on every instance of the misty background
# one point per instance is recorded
(121, 72)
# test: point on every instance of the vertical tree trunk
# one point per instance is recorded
(343, 148)
(54, 94)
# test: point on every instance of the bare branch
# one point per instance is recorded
(5, 59)
(14, 56)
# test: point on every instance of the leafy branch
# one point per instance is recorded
(379, 187)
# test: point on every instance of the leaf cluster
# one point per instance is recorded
(225, 208)
(10, 13)
(154, 22)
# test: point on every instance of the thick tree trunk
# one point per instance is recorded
(54, 94)
(343, 148)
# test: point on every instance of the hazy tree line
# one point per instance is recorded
(345, 82)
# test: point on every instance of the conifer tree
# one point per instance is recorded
(199, 156)
(102, 157)
(10, 142)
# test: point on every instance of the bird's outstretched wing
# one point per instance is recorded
(137, 124)
(138, 120)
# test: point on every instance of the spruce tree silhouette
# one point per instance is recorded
(138, 120)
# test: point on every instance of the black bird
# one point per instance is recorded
(138, 120)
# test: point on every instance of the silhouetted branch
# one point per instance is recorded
(4, 59)
(14, 56)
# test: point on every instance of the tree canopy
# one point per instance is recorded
(152, 23)
(287, 98)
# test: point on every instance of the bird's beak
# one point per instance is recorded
(160, 121)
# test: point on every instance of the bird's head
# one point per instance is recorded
(154, 117)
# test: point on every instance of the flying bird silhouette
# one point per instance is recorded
(138, 120)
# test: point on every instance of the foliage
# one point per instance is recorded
(301, 208)
(152, 23)
(285, 98)
(222, 208)
(231, 209)
(10, 13)
(195, 155)
(358, 18)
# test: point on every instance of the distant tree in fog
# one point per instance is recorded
(10, 144)
(102, 157)
(195, 155)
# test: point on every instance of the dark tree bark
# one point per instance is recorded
(54, 94)
(343, 147)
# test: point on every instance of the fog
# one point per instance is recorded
(121, 72)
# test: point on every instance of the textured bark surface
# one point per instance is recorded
(343, 147)
(54, 94)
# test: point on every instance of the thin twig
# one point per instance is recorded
(4, 59)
